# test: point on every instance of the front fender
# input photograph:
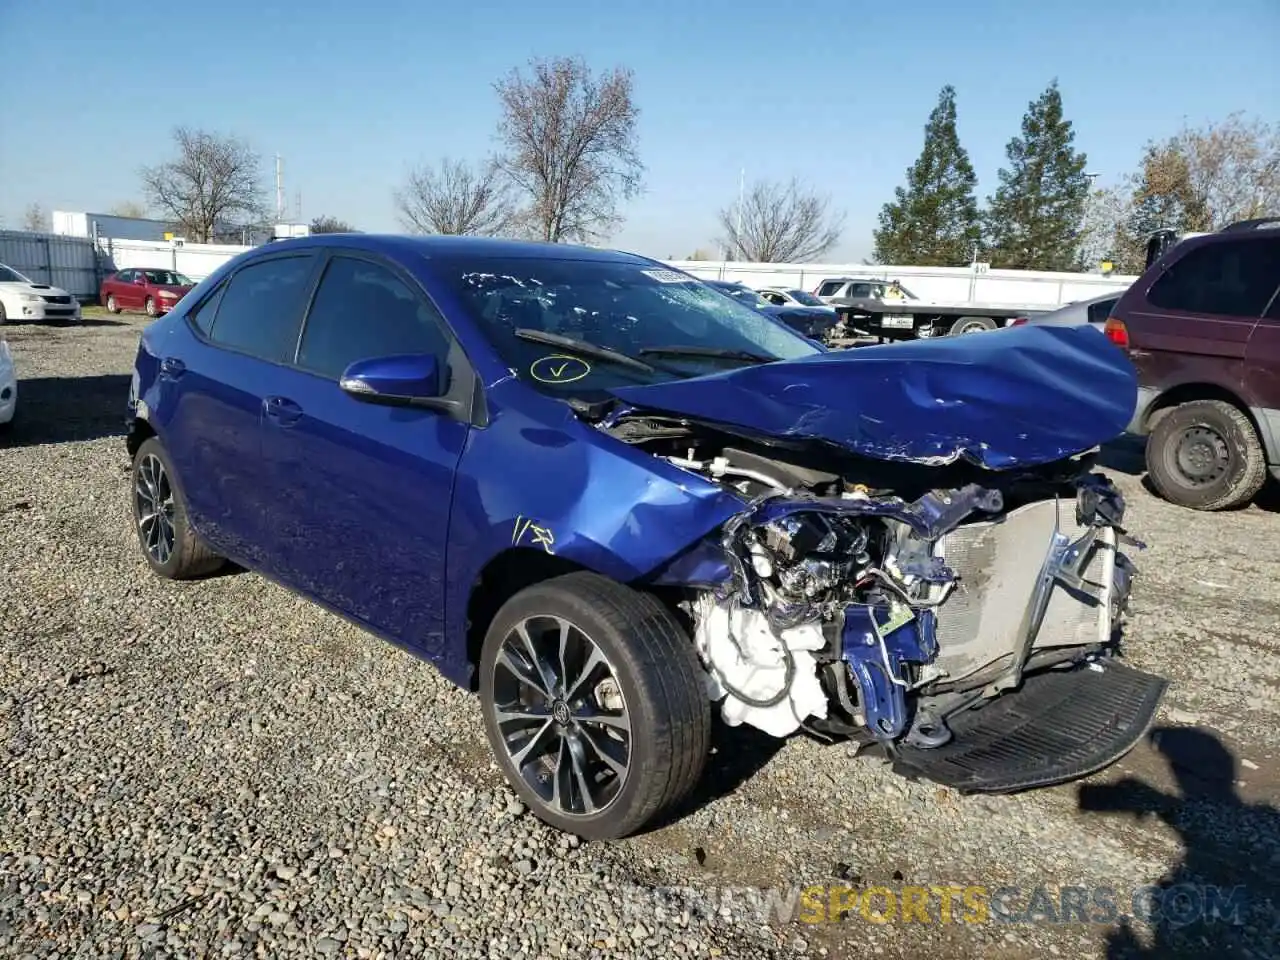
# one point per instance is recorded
(539, 478)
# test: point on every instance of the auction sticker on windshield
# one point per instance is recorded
(667, 276)
(558, 368)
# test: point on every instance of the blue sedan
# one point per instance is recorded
(604, 497)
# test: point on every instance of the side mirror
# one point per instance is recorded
(414, 380)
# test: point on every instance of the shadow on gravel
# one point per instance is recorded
(1221, 900)
(1125, 454)
(62, 409)
(102, 322)
(739, 754)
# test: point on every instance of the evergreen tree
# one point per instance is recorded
(1034, 220)
(934, 219)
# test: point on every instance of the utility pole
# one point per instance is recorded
(742, 192)
(279, 189)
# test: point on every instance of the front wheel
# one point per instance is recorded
(171, 547)
(593, 705)
(1206, 455)
(150, 306)
(112, 306)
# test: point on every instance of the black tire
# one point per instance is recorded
(111, 305)
(188, 556)
(1211, 432)
(4, 317)
(966, 325)
(149, 305)
(654, 665)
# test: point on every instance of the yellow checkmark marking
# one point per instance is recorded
(558, 372)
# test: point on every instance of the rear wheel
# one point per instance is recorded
(3, 316)
(1206, 455)
(112, 306)
(593, 705)
(172, 549)
(972, 325)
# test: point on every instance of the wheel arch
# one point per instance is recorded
(1189, 392)
(505, 575)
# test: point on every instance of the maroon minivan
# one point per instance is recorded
(1202, 327)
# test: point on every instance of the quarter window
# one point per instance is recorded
(1227, 279)
(262, 306)
(361, 311)
(203, 315)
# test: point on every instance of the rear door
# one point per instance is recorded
(1195, 321)
(1262, 366)
(213, 390)
(361, 492)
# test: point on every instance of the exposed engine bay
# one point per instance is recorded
(878, 600)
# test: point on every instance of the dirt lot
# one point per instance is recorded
(221, 769)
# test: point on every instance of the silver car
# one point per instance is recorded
(1093, 311)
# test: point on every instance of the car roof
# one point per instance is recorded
(457, 246)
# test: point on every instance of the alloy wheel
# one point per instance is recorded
(153, 501)
(561, 716)
(151, 307)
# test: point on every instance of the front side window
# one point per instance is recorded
(1226, 279)
(262, 306)
(632, 322)
(361, 311)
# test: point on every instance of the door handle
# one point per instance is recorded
(171, 368)
(281, 410)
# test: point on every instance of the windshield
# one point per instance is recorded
(167, 278)
(650, 313)
(8, 275)
(743, 294)
(805, 298)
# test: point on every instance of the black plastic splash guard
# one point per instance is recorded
(1060, 725)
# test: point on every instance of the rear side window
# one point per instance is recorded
(1229, 279)
(362, 310)
(262, 307)
(1098, 312)
(202, 316)
(829, 288)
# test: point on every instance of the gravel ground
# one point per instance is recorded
(222, 769)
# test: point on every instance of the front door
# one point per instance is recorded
(360, 492)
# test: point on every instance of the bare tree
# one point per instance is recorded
(213, 182)
(569, 142)
(324, 224)
(129, 208)
(456, 197)
(1199, 180)
(780, 223)
(1104, 212)
(35, 219)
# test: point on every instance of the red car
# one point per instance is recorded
(153, 291)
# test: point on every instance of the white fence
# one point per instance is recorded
(196, 260)
(73, 264)
(1022, 288)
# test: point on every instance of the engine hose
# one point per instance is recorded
(789, 663)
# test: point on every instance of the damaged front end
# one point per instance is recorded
(964, 620)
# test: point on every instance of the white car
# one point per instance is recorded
(8, 383)
(22, 300)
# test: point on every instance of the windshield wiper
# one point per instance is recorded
(586, 349)
(718, 352)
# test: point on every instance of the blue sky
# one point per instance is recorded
(353, 94)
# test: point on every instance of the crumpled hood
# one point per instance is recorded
(1020, 396)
